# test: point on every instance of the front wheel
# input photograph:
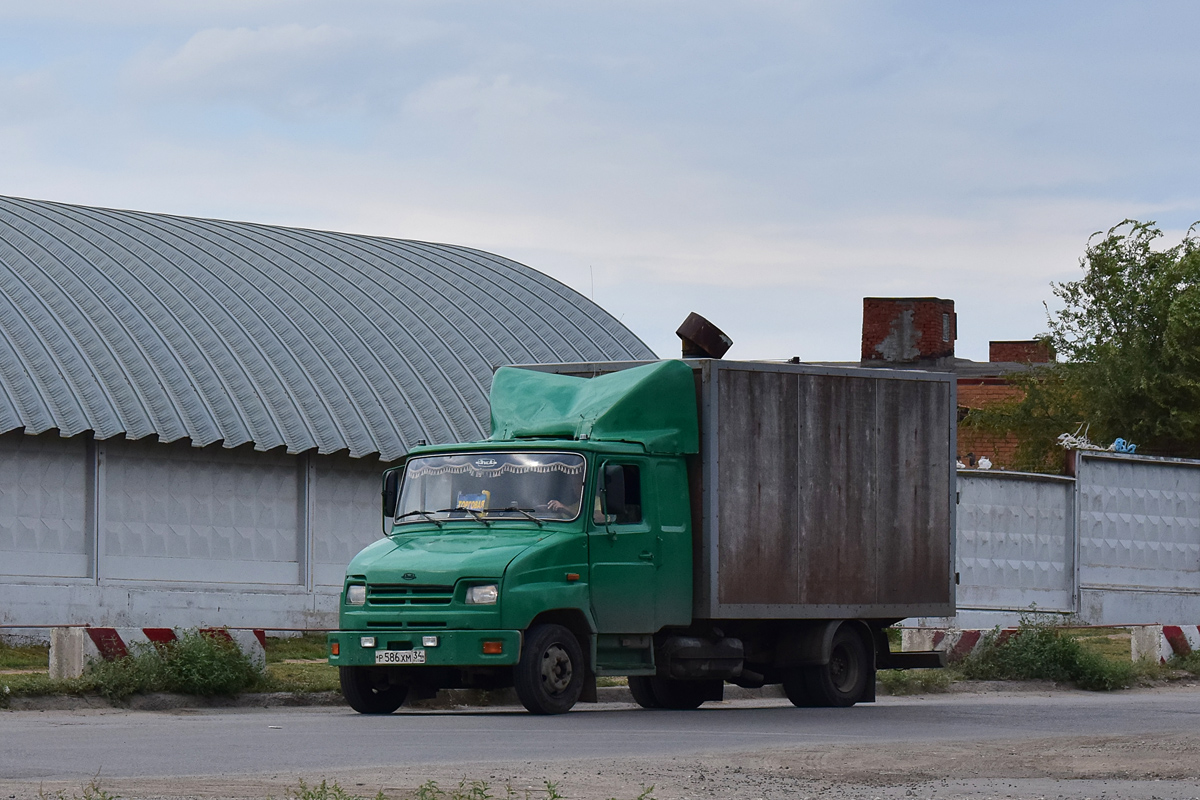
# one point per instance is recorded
(549, 675)
(368, 690)
(843, 681)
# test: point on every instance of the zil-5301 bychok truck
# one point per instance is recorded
(682, 523)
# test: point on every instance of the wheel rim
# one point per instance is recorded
(843, 669)
(556, 669)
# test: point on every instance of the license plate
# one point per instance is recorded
(399, 656)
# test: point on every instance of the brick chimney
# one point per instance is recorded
(1024, 351)
(908, 331)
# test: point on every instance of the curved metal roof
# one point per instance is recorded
(123, 322)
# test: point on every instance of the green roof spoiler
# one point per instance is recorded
(654, 405)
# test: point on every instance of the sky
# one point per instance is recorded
(765, 164)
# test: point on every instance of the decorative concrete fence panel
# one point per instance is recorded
(1016, 543)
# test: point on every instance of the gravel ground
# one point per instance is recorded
(1062, 767)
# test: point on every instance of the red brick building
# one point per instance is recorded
(919, 333)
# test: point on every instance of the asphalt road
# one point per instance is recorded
(60, 745)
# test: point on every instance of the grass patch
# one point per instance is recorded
(1112, 643)
(24, 656)
(309, 646)
(1040, 649)
(33, 684)
(313, 676)
(914, 681)
(1189, 663)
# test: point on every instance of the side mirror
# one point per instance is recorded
(614, 490)
(391, 492)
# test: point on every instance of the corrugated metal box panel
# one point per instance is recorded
(759, 511)
(135, 324)
(821, 492)
(1016, 541)
(1139, 523)
(828, 492)
(176, 513)
(837, 482)
(43, 506)
(914, 471)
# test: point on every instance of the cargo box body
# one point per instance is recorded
(819, 492)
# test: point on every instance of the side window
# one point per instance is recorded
(620, 500)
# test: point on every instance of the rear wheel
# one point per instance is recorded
(642, 689)
(679, 695)
(796, 689)
(843, 681)
(368, 690)
(549, 675)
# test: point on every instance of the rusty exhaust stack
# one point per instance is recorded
(702, 339)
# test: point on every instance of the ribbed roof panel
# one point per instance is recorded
(123, 322)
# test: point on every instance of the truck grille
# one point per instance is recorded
(389, 594)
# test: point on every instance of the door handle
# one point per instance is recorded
(646, 555)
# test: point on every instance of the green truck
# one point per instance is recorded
(684, 523)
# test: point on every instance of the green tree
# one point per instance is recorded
(1128, 341)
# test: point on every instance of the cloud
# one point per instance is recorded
(282, 69)
(765, 164)
(481, 100)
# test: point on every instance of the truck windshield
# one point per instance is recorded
(541, 486)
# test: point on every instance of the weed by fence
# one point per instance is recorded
(1040, 649)
(198, 662)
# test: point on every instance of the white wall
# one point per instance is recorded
(124, 533)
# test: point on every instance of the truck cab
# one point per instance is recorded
(541, 558)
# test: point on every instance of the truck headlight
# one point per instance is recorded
(483, 595)
(356, 594)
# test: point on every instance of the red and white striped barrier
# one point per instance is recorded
(955, 643)
(72, 648)
(1156, 642)
(1179, 640)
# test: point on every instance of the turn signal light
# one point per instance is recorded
(335, 648)
(572, 577)
(493, 648)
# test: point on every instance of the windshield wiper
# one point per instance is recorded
(476, 514)
(524, 511)
(426, 514)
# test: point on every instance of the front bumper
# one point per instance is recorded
(454, 648)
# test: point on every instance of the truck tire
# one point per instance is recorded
(843, 681)
(368, 691)
(642, 689)
(796, 688)
(679, 695)
(549, 675)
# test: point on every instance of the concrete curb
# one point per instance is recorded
(446, 699)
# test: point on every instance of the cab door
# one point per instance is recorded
(624, 552)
